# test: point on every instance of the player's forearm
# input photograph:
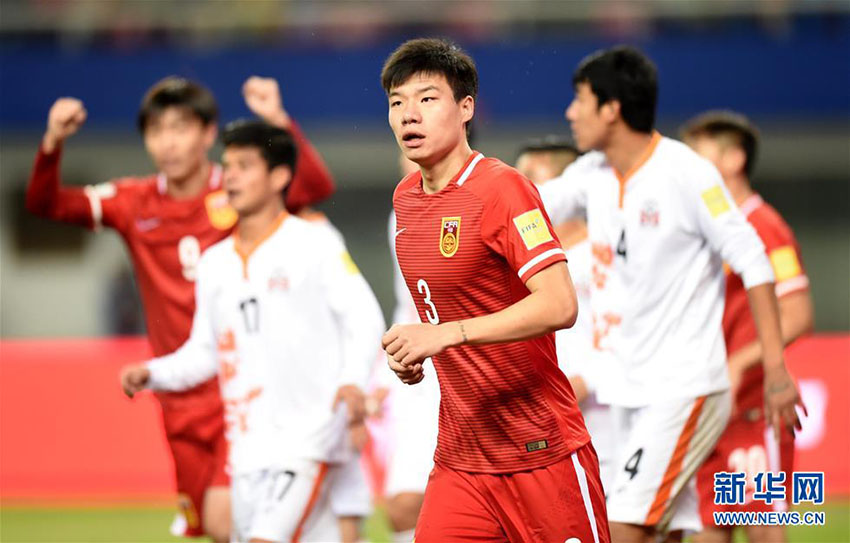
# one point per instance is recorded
(796, 317)
(183, 369)
(313, 182)
(551, 306)
(47, 198)
(765, 312)
(362, 325)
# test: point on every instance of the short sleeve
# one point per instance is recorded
(565, 197)
(516, 226)
(723, 225)
(783, 252)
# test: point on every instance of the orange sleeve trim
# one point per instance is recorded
(674, 468)
(623, 178)
(311, 503)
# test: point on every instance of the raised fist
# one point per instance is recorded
(66, 116)
(262, 96)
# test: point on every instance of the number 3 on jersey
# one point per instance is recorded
(431, 312)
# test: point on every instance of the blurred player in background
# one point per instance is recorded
(661, 224)
(288, 323)
(490, 283)
(542, 160)
(411, 412)
(730, 142)
(166, 221)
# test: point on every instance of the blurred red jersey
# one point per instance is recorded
(165, 237)
(739, 328)
(465, 252)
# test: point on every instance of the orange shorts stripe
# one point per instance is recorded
(674, 468)
(314, 496)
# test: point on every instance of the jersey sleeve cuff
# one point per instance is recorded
(757, 274)
(783, 288)
(157, 377)
(543, 260)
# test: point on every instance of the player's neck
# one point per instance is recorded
(740, 189)
(192, 185)
(626, 149)
(254, 227)
(436, 177)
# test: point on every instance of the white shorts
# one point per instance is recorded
(413, 419)
(663, 445)
(283, 504)
(350, 495)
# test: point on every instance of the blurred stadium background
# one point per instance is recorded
(785, 63)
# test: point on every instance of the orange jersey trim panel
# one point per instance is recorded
(245, 255)
(623, 178)
(314, 496)
(674, 468)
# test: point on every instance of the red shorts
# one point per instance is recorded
(194, 427)
(560, 502)
(746, 445)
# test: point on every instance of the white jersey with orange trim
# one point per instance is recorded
(659, 236)
(284, 327)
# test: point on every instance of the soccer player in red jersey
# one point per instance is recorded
(167, 220)
(490, 283)
(730, 141)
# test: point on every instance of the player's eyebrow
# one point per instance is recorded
(418, 91)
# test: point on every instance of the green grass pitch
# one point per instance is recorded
(143, 524)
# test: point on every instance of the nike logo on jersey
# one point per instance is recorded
(397, 232)
(146, 225)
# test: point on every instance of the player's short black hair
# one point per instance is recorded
(432, 56)
(626, 75)
(549, 142)
(730, 126)
(176, 91)
(560, 150)
(275, 144)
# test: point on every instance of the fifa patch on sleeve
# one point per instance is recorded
(349, 264)
(715, 201)
(785, 263)
(532, 228)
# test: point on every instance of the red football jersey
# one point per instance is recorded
(164, 236)
(466, 252)
(739, 328)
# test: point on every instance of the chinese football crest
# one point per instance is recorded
(221, 215)
(449, 236)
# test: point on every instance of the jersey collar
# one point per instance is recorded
(461, 177)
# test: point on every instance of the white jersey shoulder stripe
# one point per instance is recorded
(468, 171)
(539, 258)
(96, 207)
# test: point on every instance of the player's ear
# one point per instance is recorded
(610, 111)
(467, 108)
(281, 176)
(210, 135)
(733, 160)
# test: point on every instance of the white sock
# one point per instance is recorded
(403, 537)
